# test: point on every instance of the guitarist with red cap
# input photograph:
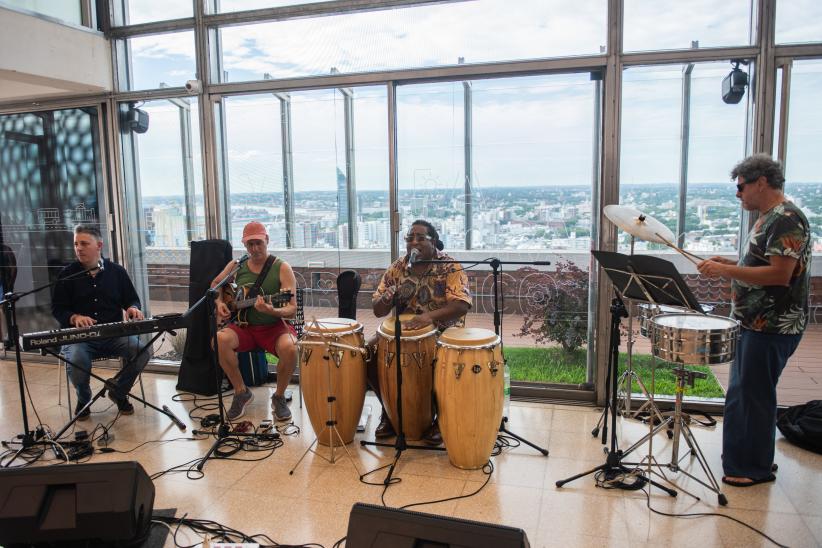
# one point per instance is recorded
(266, 289)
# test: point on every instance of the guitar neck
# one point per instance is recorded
(277, 301)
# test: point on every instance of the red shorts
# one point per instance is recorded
(261, 336)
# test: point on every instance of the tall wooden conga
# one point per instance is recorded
(418, 348)
(332, 364)
(468, 383)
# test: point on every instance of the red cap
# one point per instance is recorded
(254, 230)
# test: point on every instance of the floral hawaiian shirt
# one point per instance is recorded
(441, 284)
(783, 230)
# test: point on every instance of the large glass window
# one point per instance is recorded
(159, 60)
(798, 21)
(164, 204)
(803, 163)
(49, 182)
(679, 25)
(421, 36)
(677, 134)
(69, 11)
(313, 167)
(527, 147)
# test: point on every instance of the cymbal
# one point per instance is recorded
(637, 224)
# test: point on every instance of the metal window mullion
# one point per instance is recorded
(350, 170)
(612, 111)
(468, 133)
(784, 111)
(393, 174)
(186, 150)
(684, 146)
(596, 178)
(288, 167)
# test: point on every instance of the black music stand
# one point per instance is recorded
(643, 278)
(399, 442)
(224, 432)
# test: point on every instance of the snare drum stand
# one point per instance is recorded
(334, 435)
(399, 443)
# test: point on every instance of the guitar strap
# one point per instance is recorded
(255, 289)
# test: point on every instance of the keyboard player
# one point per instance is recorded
(102, 295)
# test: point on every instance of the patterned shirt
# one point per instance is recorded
(783, 230)
(439, 285)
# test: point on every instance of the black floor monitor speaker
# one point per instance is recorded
(100, 504)
(196, 374)
(371, 526)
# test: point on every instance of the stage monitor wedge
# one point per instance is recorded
(371, 526)
(56, 505)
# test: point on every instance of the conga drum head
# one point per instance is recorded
(468, 337)
(387, 328)
(332, 326)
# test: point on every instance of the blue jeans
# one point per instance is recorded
(749, 427)
(81, 354)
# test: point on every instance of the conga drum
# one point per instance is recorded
(332, 364)
(469, 383)
(418, 347)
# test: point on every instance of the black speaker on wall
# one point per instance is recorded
(371, 526)
(76, 504)
(196, 374)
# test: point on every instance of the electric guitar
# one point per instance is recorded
(239, 302)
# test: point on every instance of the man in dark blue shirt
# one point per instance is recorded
(97, 297)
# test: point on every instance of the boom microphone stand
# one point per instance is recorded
(224, 432)
(27, 438)
(399, 444)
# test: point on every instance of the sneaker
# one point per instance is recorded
(85, 415)
(280, 407)
(385, 429)
(239, 404)
(123, 405)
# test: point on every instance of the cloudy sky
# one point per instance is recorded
(531, 131)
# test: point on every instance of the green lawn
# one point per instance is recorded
(553, 365)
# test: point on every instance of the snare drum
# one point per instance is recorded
(648, 311)
(469, 384)
(694, 339)
(418, 347)
(332, 363)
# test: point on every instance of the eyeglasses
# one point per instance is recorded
(416, 237)
(741, 186)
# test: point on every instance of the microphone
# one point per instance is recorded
(242, 259)
(412, 258)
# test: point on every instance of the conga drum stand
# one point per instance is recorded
(330, 428)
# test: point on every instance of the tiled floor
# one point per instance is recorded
(313, 504)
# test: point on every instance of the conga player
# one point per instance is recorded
(434, 293)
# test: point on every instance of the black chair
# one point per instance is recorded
(348, 286)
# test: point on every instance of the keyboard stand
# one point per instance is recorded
(108, 384)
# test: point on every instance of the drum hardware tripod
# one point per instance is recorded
(399, 444)
(679, 423)
(626, 381)
(495, 264)
(29, 438)
(331, 422)
(614, 467)
(224, 432)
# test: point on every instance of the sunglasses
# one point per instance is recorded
(741, 186)
(416, 237)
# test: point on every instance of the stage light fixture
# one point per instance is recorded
(733, 85)
(136, 120)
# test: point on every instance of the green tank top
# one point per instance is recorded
(271, 285)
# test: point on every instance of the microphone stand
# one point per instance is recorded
(27, 438)
(399, 443)
(495, 264)
(224, 432)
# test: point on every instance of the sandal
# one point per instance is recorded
(726, 480)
